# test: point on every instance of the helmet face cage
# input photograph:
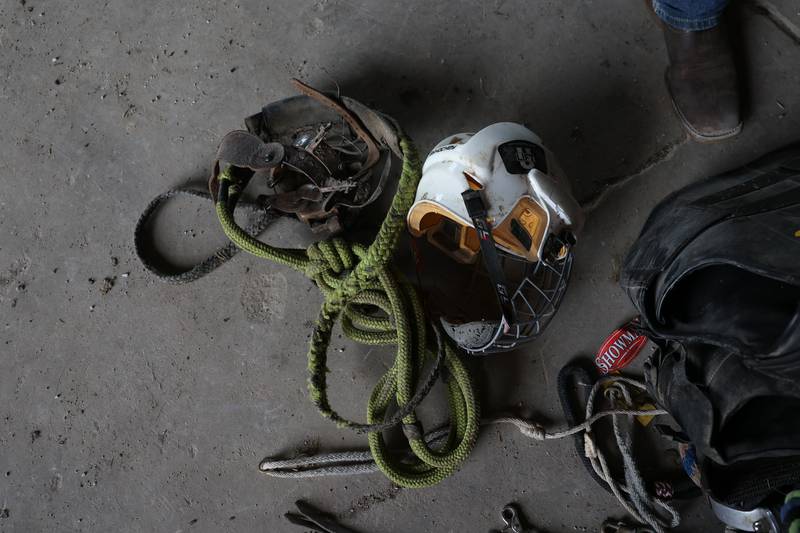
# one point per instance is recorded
(540, 287)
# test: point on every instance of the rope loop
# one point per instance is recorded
(329, 263)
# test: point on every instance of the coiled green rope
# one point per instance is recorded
(357, 281)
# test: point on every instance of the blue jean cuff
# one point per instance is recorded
(683, 23)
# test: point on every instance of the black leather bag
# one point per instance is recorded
(718, 262)
(715, 275)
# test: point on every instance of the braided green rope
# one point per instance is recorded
(356, 281)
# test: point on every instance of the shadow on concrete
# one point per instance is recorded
(599, 126)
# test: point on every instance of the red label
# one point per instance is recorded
(619, 349)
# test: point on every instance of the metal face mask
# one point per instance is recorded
(499, 194)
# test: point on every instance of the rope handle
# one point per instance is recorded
(155, 265)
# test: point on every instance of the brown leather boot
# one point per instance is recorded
(702, 82)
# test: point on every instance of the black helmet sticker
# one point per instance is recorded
(520, 157)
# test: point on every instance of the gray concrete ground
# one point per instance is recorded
(136, 406)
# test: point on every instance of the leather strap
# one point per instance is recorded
(476, 208)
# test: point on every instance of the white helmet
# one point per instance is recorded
(500, 193)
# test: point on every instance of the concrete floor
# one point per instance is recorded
(147, 407)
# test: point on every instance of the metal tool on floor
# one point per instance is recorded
(313, 519)
(513, 520)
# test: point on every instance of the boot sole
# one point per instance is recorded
(696, 135)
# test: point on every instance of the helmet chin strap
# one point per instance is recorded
(476, 208)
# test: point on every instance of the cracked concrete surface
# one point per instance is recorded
(130, 405)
